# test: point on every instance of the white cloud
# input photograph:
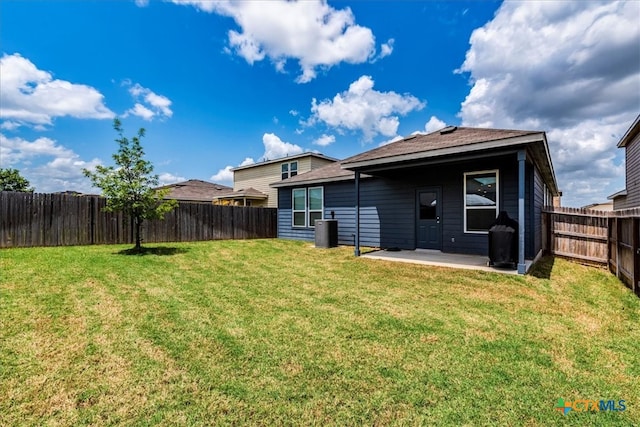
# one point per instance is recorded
(434, 124)
(274, 147)
(325, 140)
(223, 176)
(311, 32)
(169, 178)
(361, 108)
(386, 49)
(47, 165)
(247, 161)
(156, 105)
(569, 68)
(141, 111)
(9, 125)
(142, 3)
(32, 96)
(389, 141)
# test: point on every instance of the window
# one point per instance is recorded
(428, 205)
(308, 205)
(289, 170)
(315, 205)
(480, 201)
(299, 207)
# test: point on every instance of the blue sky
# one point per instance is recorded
(220, 84)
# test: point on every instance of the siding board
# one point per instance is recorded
(632, 162)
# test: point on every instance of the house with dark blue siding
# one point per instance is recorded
(629, 198)
(439, 191)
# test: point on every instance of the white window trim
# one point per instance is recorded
(321, 210)
(306, 210)
(294, 211)
(288, 171)
(464, 197)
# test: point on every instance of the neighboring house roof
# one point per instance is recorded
(329, 173)
(621, 193)
(631, 133)
(604, 206)
(244, 193)
(287, 158)
(195, 190)
(452, 141)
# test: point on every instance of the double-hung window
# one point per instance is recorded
(308, 205)
(300, 207)
(481, 200)
(289, 169)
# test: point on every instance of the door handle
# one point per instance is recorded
(438, 219)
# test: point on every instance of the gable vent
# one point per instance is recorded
(448, 129)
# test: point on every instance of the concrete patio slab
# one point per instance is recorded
(440, 259)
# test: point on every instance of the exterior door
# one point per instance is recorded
(428, 212)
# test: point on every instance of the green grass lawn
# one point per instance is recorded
(268, 332)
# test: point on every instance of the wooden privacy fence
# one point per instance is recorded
(64, 220)
(605, 238)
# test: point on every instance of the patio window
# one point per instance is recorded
(481, 200)
(289, 169)
(299, 207)
(315, 205)
(308, 205)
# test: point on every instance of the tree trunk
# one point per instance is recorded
(138, 222)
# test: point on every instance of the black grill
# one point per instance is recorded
(503, 242)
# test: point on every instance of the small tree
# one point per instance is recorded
(129, 188)
(11, 180)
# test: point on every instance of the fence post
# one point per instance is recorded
(635, 248)
(618, 232)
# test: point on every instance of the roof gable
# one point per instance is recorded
(631, 133)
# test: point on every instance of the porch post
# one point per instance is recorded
(357, 214)
(522, 156)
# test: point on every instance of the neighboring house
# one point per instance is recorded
(630, 196)
(195, 190)
(251, 182)
(602, 207)
(439, 191)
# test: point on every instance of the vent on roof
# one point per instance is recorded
(448, 129)
(410, 137)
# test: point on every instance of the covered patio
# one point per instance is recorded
(440, 259)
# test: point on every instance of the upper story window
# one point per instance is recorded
(289, 169)
(481, 200)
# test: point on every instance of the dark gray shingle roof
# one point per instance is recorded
(445, 138)
(195, 190)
